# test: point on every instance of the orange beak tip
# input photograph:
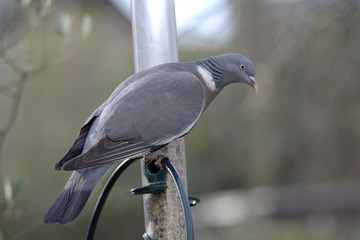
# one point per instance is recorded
(256, 88)
(254, 85)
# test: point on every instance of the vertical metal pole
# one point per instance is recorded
(154, 38)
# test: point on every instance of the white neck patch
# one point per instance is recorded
(208, 79)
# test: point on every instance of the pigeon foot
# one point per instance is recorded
(157, 161)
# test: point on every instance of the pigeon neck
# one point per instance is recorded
(207, 78)
(215, 69)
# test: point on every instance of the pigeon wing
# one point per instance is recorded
(144, 117)
(77, 148)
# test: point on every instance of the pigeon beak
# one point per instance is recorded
(253, 84)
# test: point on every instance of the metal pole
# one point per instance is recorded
(154, 38)
(154, 33)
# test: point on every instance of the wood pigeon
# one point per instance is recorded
(146, 112)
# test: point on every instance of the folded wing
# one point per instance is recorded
(144, 117)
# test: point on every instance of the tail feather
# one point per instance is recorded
(74, 196)
(67, 206)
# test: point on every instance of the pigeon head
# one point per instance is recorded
(229, 68)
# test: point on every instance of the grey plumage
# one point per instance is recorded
(145, 113)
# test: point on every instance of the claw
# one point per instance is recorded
(157, 161)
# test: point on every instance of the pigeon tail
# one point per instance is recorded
(67, 206)
(74, 196)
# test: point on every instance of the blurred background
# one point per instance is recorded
(280, 164)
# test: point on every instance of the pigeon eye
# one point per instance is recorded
(242, 66)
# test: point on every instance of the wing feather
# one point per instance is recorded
(108, 151)
(78, 145)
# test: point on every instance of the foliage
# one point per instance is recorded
(25, 51)
(8, 213)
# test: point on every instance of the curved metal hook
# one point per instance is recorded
(104, 194)
(184, 199)
(113, 178)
